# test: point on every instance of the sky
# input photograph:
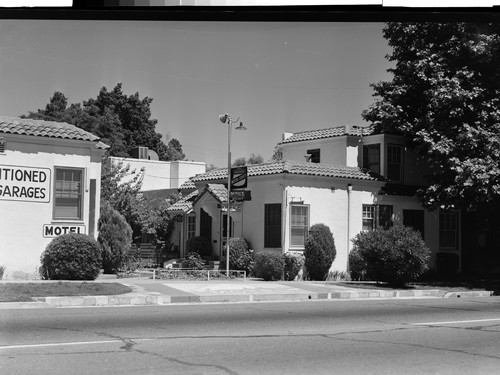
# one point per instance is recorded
(275, 76)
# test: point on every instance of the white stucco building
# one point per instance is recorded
(344, 177)
(50, 182)
(161, 175)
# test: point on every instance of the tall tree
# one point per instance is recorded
(121, 121)
(445, 97)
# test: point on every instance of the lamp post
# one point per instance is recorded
(227, 119)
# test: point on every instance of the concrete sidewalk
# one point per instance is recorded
(146, 291)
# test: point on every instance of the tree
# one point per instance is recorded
(253, 159)
(320, 251)
(115, 237)
(445, 97)
(121, 188)
(121, 121)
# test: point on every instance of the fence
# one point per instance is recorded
(190, 274)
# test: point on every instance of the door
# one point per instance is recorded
(205, 226)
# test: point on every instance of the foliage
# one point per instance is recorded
(121, 121)
(71, 257)
(252, 159)
(293, 264)
(2, 271)
(121, 187)
(319, 252)
(240, 255)
(194, 261)
(199, 245)
(115, 237)
(396, 255)
(269, 266)
(445, 97)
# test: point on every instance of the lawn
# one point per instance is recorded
(24, 292)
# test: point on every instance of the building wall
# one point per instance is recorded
(330, 204)
(332, 150)
(26, 223)
(163, 174)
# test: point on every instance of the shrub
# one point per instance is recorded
(115, 237)
(240, 255)
(193, 261)
(293, 264)
(269, 266)
(199, 245)
(319, 252)
(2, 271)
(396, 255)
(71, 257)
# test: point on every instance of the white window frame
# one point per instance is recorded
(191, 226)
(305, 226)
(58, 192)
(448, 229)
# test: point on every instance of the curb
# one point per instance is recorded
(158, 299)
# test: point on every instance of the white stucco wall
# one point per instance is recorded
(163, 174)
(22, 221)
(332, 150)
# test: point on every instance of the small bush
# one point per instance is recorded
(269, 266)
(319, 252)
(199, 245)
(71, 257)
(2, 271)
(293, 264)
(240, 255)
(193, 261)
(115, 237)
(396, 255)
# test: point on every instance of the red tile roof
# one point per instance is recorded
(41, 128)
(328, 133)
(295, 168)
(184, 204)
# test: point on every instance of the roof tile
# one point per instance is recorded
(42, 128)
(328, 133)
(295, 168)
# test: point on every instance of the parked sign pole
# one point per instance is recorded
(226, 119)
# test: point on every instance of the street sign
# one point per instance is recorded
(238, 178)
(240, 196)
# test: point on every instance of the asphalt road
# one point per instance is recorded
(418, 336)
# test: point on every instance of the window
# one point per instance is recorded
(299, 225)
(68, 194)
(448, 230)
(191, 226)
(414, 219)
(395, 163)
(313, 156)
(224, 226)
(377, 216)
(272, 225)
(371, 157)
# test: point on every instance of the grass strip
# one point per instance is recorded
(24, 292)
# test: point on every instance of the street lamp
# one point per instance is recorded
(227, 119)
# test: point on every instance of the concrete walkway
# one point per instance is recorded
(146, 291)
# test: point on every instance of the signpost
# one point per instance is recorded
(238, 178)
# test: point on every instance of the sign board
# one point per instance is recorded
(54, 230)
(238, 177)
(25, 184)
(240, 196)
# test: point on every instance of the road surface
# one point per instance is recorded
(414, 336)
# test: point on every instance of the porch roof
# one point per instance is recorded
(295, 168)
(184, 204)
(328, 133)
